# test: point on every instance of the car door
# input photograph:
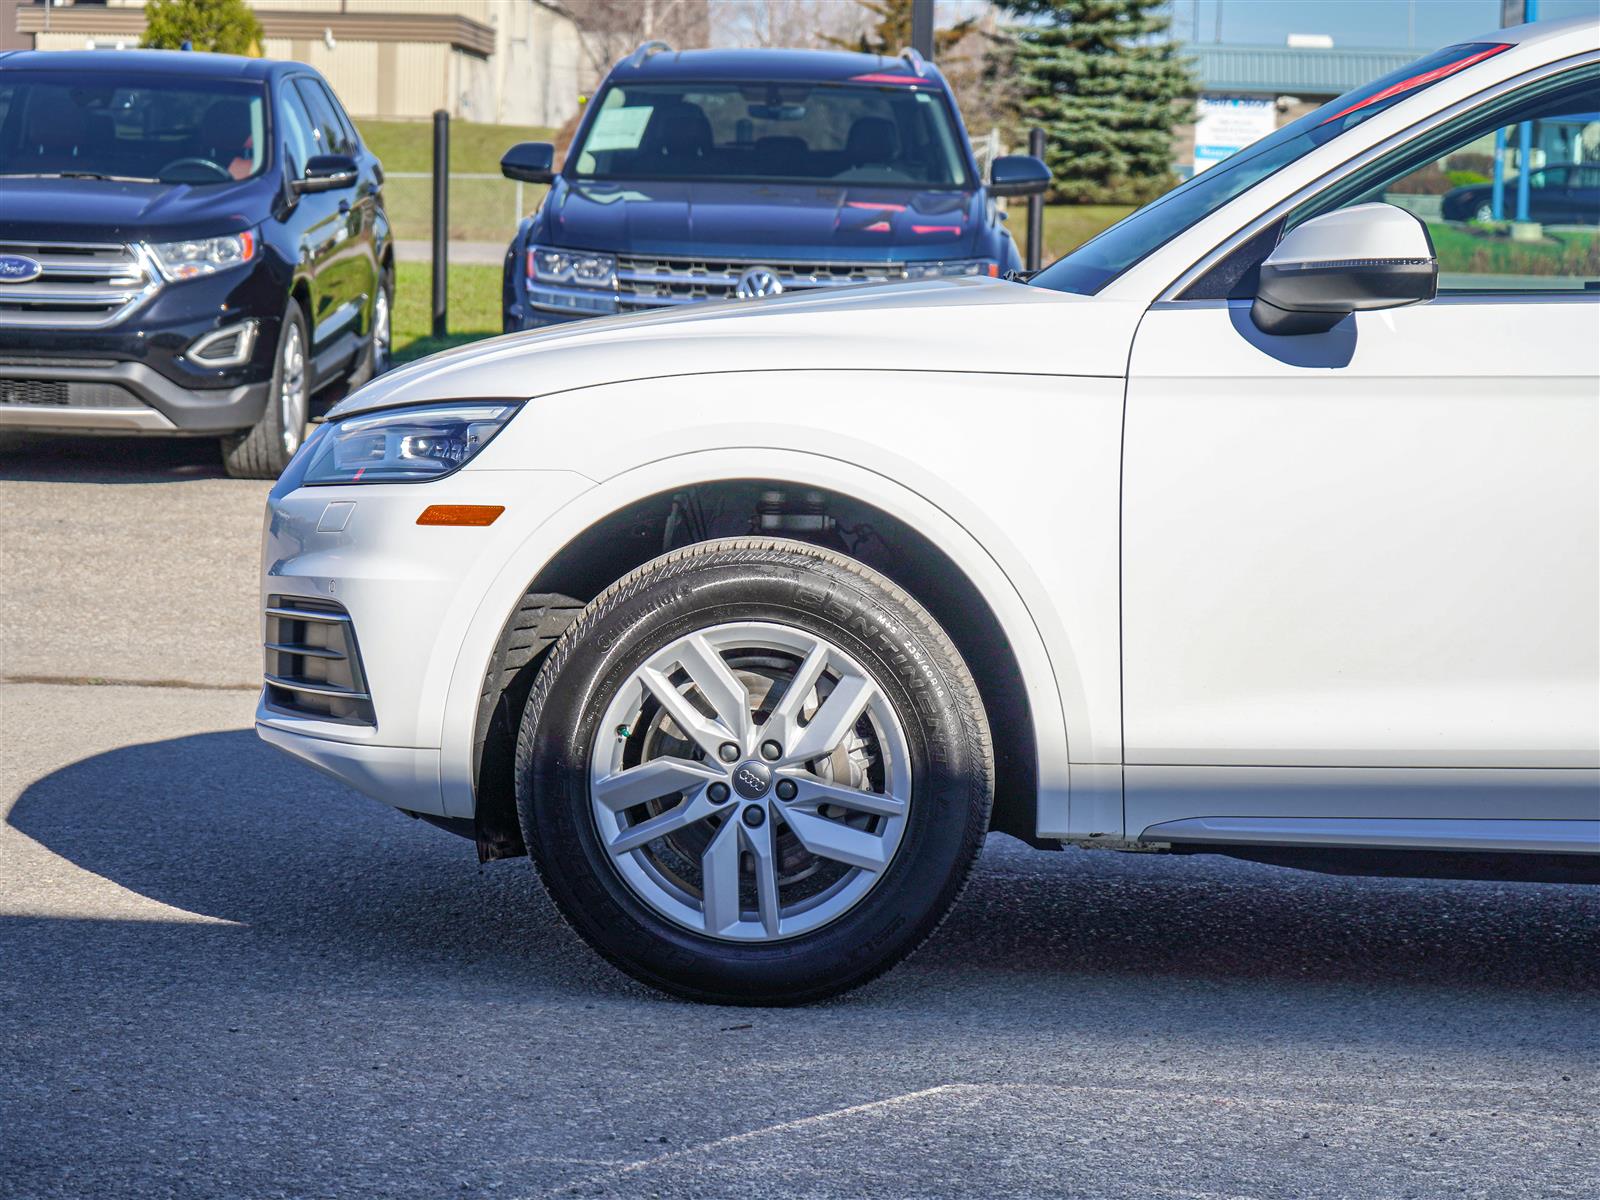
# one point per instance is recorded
(315, 217)
(342, 262)
(360, 209)
(1361, 568)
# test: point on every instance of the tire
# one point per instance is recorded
(265, 449)
(918, 759)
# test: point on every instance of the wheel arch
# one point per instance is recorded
(625, 522)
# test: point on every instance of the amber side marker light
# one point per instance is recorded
(460, 514)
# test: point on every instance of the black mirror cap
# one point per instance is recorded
(1298, 298)
(531, 162)
(1018, 175)
(327, 172)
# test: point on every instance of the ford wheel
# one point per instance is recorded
(262, 451)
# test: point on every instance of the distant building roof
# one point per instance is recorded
(1279, 70)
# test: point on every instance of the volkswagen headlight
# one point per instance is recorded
(405, 445)
(961, 266)
(549, 265)
(193, 257)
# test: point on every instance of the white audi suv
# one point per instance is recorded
(1267, 523)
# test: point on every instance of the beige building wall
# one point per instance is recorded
(530, 76)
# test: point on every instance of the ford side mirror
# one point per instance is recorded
(1356, 259)
(327, 173)
(1018, 175)
(531, 162)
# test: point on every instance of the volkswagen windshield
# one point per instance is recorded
(890, 135)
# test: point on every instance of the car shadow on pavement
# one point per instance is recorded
(222, 826)
(49, 458)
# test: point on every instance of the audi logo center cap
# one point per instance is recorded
(752, 780)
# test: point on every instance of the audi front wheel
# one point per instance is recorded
(754, 772)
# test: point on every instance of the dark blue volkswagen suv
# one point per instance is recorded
(722, 174)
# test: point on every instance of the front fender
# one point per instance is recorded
(1071, 797)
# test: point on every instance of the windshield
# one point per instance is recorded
(1097, 262)
(123, 126)
(893, 135)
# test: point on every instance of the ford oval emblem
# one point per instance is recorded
(17, 268)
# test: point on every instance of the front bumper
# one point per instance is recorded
(412, 594)
(107, 396)
(136, 376)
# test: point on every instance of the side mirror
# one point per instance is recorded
(531, 162)
(1356, 259)
(327, 173)
(1018, 175)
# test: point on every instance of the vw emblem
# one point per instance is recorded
(757, 282)
(17, 268)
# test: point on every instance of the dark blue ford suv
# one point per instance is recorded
(723, 174)
(190, 244)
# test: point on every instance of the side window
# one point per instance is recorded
(330, 134)
(346, 126)
(1502, 194)
(299, 140)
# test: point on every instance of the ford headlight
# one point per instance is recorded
(405, 445)
(962, 266)
(193, 257)
(550, 265)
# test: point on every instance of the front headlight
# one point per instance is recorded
(962, 266)
(203, 256)
(404, 445)
(572, 266)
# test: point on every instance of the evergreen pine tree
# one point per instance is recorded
(1106, 84)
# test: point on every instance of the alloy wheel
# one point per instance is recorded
(381, 333)
(292, 398)
(750, 782)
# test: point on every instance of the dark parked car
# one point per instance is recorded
(715, 174)
(189, 244)
(1567, 194)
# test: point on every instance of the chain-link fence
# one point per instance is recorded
(483, 207)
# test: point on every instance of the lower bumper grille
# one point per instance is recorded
(313, 667)
(60, 393)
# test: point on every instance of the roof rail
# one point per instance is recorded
(637, 58)
(913, 60)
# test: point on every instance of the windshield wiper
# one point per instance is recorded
(78, 175)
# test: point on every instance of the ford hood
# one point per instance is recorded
(105, 210)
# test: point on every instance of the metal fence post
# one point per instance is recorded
(1035, 255)
(441, 222)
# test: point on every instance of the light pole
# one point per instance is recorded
(922, 28)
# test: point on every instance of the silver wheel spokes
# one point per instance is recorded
(292, 389)
(380, 333)
(750, 781)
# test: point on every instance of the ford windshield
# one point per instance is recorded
(118, 125)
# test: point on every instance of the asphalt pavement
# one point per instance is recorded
(222, 974)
